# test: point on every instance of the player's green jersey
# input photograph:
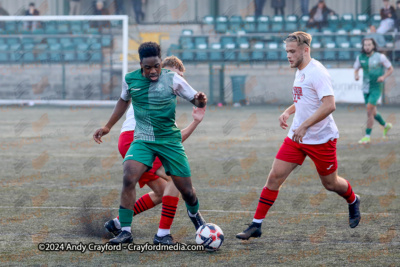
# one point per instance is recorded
(154, 105)
(373, 67)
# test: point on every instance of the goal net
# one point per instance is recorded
(62, 60)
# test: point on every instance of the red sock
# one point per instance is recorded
(169, 206)
(349, 195)
(142, 204)
(267, 199)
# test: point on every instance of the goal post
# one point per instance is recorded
(21, 19)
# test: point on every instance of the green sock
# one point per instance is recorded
(368, 131)
(193, 209)
(379, 118)
(125, 217)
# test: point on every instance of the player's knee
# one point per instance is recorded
(275, 176)
(128, 182)
(188, 194)
(129, 178)
(370, 110)
(158, 194)
(330, 186)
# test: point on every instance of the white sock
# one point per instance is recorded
(258, 220)
(117, 224)
(192, 215)
(163, 232)
(353, 201)
(126, 228)
(367, 135)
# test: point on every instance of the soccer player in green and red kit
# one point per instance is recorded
(153, 92)
(373, 64)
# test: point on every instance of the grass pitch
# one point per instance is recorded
(57, 185)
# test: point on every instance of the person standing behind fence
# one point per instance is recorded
(100, 10)
(258, 7)
(304, 7)
(138, 9)
(119, 7)
(398, 15)
(388, 16)
(32, 11)
(278, 5)
(74, 7)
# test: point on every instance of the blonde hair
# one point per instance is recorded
(173, 61)
(299, 37)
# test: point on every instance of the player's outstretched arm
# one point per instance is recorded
(117, 113)
(285, 116)
(327, 107)
(198, 115)
(199, 100)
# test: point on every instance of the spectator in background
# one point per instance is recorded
(304, 7)
(319, 15)
(278, 5)
(98, 11)
(379, 39)
(3, 12)
(398, 15)
(74, 7)
(32, 11)
(259, 6)
(388, 16)
(137, 8)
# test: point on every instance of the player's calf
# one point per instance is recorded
(267, 199)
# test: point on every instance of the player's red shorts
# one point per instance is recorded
(124, 142)
(323, 155)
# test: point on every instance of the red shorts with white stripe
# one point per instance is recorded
(124, 142)
(323, 155)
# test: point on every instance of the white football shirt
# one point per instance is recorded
(130, 122)
(311, 84)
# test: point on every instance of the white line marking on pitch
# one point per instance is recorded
(220, 211)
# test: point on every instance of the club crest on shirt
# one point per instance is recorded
(297, 92)
(303, 76)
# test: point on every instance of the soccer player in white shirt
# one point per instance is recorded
(313, 133)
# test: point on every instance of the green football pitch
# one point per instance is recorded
(58, 185)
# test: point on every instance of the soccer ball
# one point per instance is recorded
(210, 236)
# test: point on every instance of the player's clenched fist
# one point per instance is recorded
(99, 133)
(200, 100)
(282, 120)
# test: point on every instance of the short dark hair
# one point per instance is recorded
(149, 49)
(31, 4)
(373, 42)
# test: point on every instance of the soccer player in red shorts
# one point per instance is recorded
(313, 133)
(164, 190)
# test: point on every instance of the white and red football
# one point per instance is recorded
(210, 236)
